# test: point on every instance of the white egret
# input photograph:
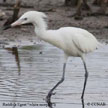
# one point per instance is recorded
(72, 40)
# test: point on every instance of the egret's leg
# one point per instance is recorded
(83, 104)
(86, 77)
(50, 93)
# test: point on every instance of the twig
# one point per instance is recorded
(15, 13)
(12, 4)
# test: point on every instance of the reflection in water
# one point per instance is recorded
(40, 72)
(15, 53)
(16, 86)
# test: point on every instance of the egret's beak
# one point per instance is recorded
(16, 23)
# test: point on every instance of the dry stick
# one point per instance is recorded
(16, 9)
(82, 4)
(85, 5)
(15, 13)
(12, 4)
(77, 15)
(79, 6)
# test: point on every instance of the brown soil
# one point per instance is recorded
(58, 16)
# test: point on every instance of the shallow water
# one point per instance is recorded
(26, 80)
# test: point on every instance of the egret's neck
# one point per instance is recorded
(50, 36)
(40, 28)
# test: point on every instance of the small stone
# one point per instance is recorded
(40, 52)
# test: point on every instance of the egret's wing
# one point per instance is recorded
(85, 43)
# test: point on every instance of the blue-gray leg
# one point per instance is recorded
(50, 93)
(86, 77)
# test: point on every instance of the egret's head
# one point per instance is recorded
(29, 17)
(33, 17)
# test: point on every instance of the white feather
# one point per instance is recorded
(72, 40)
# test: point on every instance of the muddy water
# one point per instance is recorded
(26, 80)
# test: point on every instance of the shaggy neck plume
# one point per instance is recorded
(40, 27)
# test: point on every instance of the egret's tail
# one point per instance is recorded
(99, 45)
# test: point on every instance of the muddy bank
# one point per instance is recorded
(58, 16)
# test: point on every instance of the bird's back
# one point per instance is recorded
(77, 41)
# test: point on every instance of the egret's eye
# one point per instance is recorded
(25, 19)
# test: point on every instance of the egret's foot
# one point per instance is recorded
(48, 99)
